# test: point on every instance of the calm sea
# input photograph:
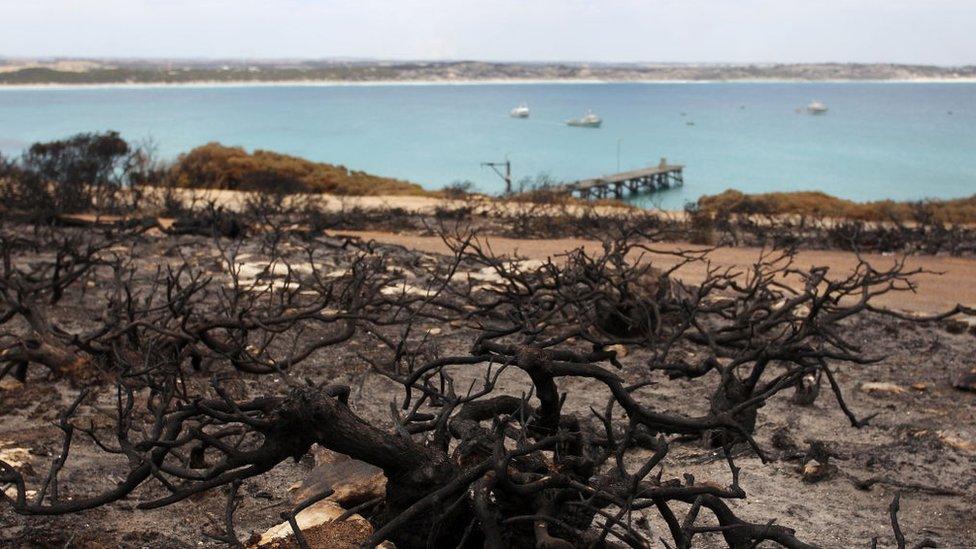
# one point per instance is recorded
(879, 140)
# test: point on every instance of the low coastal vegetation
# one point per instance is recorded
(822, 205)
(215, 166)
(102, 171)
(80, 173)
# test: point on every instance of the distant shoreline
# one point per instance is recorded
(157, 73)
(468, 82)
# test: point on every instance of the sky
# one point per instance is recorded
(735, 31)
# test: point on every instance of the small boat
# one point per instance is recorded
(590, 120)
(522, 111)
(816, 107)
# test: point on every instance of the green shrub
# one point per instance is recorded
(80, 173)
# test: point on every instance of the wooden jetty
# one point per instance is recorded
(662, 176)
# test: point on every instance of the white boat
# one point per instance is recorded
(816, 107)
(522, 111)
(589, 121)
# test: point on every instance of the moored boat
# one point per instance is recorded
(816, 107)
(590, 120)
(522, 111)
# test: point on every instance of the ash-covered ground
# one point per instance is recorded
(920, 442)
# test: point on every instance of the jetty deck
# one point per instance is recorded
(662, 176)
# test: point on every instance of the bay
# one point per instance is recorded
(900, 141)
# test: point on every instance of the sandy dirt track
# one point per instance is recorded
(951, 280)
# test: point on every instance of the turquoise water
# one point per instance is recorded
(879, 140)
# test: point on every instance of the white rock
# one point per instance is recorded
(11, 493)
(15, 457)
(315, 515)
(487, 274)
(882, 387)
(621, 350)
(404, 288)
(958, 443)
(530, 264)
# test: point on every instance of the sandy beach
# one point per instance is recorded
(468, 82)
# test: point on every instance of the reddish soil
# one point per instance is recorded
(946, 282)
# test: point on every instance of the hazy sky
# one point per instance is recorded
(908, 31)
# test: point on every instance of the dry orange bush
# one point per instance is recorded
(815, 203)
(216, 166)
